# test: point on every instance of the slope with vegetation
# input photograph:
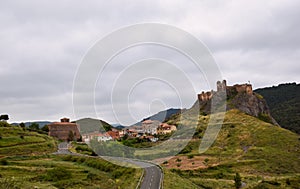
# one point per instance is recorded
(284, 103)
(27, 161)
(263, 154)
(15, 140)
(250, 150)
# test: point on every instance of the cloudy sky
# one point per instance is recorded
(44, 42)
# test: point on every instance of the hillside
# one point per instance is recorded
(161, 116)
(284, 103)
(27, 161)
(16, 141)
(249, 144)
(264, 155)
(89, 125)
(238, 96)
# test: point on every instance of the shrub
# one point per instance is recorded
(3, 162)
(4, 124)
(220, 175)
(58, 173)
(264, 117)
(186, 150)
(92, 176)
(237, 180)
(190, 156)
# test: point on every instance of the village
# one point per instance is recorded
(148, 130)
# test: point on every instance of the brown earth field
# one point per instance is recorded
(185, 162)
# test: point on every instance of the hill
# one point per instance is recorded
(249, 143)
(27, 161)
(88, 125)
(266, 156)
(284, 103)
(161, 116)
(17, 141)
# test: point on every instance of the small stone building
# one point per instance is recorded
(64, 130)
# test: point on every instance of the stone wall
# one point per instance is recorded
(230, 90)
(61, 130)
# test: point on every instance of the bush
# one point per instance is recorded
(92, 176)
(186, 150)
(237, 180)
(3, 162)
(4, 124)
(190, 156)
(58, 173)
(219, 175)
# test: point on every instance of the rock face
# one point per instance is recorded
(240, 96)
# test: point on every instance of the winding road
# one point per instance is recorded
(153, 175)
(153, 178)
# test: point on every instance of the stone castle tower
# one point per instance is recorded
(241, 97)
(230, 90)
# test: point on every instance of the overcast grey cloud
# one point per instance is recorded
(43, 43)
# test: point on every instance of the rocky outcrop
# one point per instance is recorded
(239, 97)
(252, 104)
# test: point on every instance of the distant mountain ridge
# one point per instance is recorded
(161, 116)
(284, 103)
(41, 123)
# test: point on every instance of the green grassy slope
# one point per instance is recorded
(265, 155)
(53, 171)
(26, 161)
(16, 141)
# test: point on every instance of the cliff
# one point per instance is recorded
(239, 96)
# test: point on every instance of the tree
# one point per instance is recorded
(237, 180)
(4, 117)
(71, 136)
(34, 126)
(45, 128)
(22, 125)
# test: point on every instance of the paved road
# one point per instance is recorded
(152, 179)
(152, 175)
(63, 148)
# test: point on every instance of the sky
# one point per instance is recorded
(43, 44)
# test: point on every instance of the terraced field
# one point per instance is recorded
(27, 161)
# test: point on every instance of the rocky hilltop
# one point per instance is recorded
(239, 96)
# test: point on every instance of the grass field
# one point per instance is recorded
(266, 156)
(17, 142)
(61, 171)
(26, 161)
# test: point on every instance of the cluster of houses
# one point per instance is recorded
(148, 130)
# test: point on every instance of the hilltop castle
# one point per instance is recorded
(230, 90)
